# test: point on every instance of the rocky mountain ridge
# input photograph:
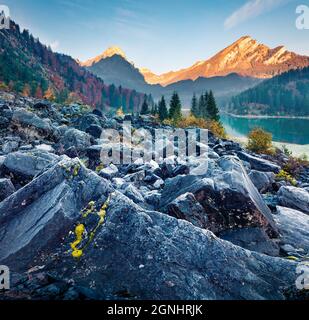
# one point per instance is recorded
(245, 57)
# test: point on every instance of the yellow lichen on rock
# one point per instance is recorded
(89, 209)
(79, 231)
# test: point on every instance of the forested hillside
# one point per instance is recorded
(284, 95)
(33, 69)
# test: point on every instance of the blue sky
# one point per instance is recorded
(162, 35)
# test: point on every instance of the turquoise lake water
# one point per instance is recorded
(295, 131)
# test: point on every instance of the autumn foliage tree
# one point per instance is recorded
(49, 94)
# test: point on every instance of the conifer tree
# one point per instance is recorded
(163, 112)
(154, 109)
(194, 107)
(145, 107)
(201, 106)
(212, 109)
(175, 108)
(204, 111)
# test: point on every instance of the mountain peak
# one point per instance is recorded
(246, 57)
(108, 53)
(112, 51)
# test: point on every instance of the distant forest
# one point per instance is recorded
(284, 95)
(32, 69)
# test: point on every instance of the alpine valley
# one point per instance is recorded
(110, 190)
(238, 67)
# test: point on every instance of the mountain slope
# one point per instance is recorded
(246, 57)
(29, 67)
(284, 95)
(115, 68)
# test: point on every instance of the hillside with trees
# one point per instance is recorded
(30, 68)
(284, 95)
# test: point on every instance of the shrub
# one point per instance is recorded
(295, 165)
(260, 141)
(285, 176)
(191, 121)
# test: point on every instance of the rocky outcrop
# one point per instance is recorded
(22, 167)
(37, 216)
(183, 228)
(30, 125)
(172, 259)
(293, 226)
(227, 195)
(295, 198)
(259, 164)
(263, 181)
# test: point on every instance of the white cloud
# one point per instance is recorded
(252, 9)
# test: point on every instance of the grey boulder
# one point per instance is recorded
(262, 180)
(6, 188)
(227, 195)
(148, 255)
(258, 163)
(186, 207)
(31, 125)
(109, 172)
(75, 138)
(253, 239)
(295, 198)
(38, 216)
(293, 227)
(23, 166)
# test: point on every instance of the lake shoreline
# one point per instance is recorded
(297, 150)
(265, 117)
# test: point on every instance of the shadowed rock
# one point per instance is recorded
(227, 195)
(37, 216)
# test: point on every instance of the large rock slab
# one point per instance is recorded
(37, 216)
(295, 198)
(254, 239)
(258, 163)
(148, 255)
(186, 207)
(294, 228)
(227, 195)
(23, 166)
(32, 126)
(262, 180)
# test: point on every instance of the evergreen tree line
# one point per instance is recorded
(205, 107)
(172, 113)
(287, 94)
